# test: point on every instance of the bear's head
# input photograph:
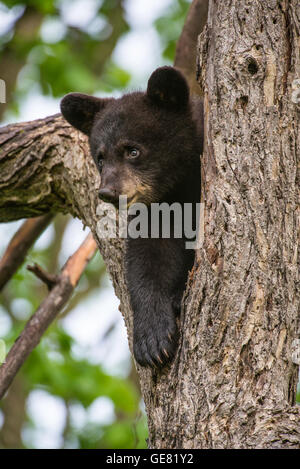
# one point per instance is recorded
(145, 145)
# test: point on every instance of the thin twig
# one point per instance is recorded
(49, 279)
(18, 247)
(47, 312)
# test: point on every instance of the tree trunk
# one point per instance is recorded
(232, 383)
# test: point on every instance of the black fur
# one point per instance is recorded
(166, 127)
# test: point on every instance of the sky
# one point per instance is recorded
(138, 52)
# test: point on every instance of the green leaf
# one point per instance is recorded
(2, 351)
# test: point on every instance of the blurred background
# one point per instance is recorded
(78, 389)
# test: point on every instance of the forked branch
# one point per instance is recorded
(47, 312)
(17, 249)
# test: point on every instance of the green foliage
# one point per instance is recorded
(170, 26)
(55, 368)
(58, 370)
(122, 434)
(46, 6)
(79, 59)
(76, 76)
(2, 351)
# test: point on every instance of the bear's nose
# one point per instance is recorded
(108, 195)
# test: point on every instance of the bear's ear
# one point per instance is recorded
(168, 87)
(80, 110)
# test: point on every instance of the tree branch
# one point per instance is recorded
(26, 29)
(186, 49)
(36, 176)
(46, 313)
(17, 249)
(49, 279)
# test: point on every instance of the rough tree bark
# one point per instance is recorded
(232, 383)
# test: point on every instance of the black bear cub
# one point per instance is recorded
(147, 146)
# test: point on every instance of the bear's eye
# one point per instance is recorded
(132, 153)
(100, 161)
(100, 164)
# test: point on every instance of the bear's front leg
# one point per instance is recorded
(156, 271)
